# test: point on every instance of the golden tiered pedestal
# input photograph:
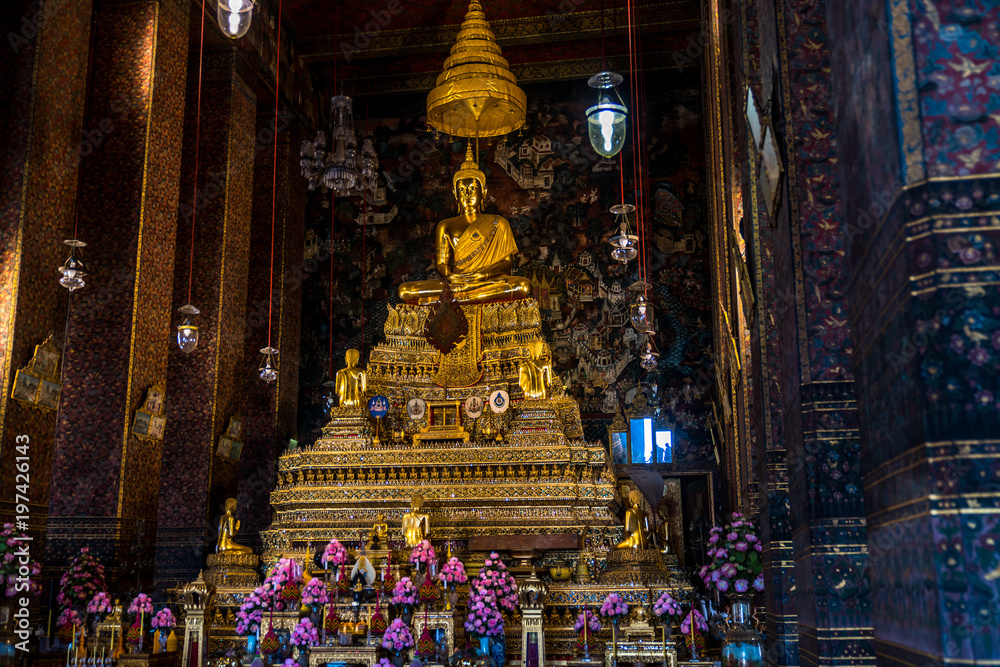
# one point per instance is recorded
(525, 472)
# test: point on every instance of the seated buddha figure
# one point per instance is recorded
(473, 250)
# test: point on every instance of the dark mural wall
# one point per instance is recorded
(556, 192)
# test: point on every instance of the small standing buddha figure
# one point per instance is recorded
(351, 381)
(473, 250)
(416, 526)
(228, 527)
(378, 538)
(636, 524)
(535, 373)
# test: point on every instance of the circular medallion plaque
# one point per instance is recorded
(499, 401)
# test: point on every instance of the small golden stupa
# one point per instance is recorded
(476, 94)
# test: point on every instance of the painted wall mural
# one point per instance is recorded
(556, 192)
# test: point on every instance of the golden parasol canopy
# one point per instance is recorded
(476, 95)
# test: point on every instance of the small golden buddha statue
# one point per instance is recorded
(228, 527)
(416, 526)
(636, 524)
(378, 538)
(536, 373)
(351, 383)
(473, 250)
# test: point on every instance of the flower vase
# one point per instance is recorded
(742, 646)
(406, 614)
(398, 658)
(163, 642)
(484, 645)
(303, 658)
(498, 649)
(452, 596)
(252, 646)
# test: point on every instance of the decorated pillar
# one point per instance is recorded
(270, 413)
(107, 459)
(921, 169)
(202, 445)
(41, 111)
(199, 599)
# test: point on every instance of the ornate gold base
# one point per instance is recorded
(232, 569)
(635, 566)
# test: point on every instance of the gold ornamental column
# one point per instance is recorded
(204, 384)
(533, 592)
(118, 328)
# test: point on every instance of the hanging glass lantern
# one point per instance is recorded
(269, 365)
(330, 391)
(73, 270)
(649, 357)
(341, 169)
(234, 17)
(606, 119)
(643, 320)
(625, 244)
(369, 165)
(187, 333)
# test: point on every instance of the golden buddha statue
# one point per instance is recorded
(473, 250)
(536, 373)
(378, 538)
(228, 527)
(351, 381)
(416, 526)
(636, 524)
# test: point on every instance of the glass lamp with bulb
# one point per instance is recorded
(642, 315)
(649, 357)
(269, 365)
(73, 270)
(606, 119)
(187, 333)
(234, 17)
(625, 244)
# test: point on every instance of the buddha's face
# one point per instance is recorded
(469, 194)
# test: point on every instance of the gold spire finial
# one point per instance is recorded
(476, 95)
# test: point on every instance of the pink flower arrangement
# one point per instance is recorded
(423, 553)
(397, 637)
(494, 577)
(251, 612)
(384, 662)
(736, 565)
(614, 608)
(666, 607)
(82, 581)
(593, 623)
(453, 572)
(335, 554)
(315, 592)
(164, 619)
(699, 623)
(100, 604)
(304, 635)
(286, 572)
(484, 618)
(141, 604)
(12, 582)
(68, 617)
(404, 593)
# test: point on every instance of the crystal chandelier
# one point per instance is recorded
(336, 169)
(625, 244)
(649, 357)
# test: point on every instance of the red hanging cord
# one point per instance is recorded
(274, 174)
(635, 142)
(197, 146)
